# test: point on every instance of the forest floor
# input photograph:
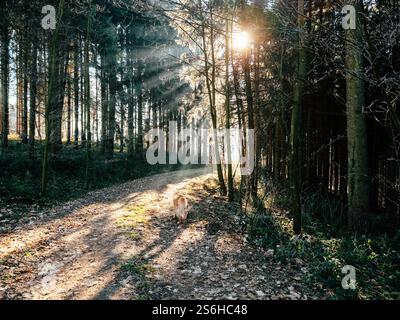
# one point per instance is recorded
(124, 243)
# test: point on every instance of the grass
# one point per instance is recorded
(137, 210)
(137, 216)
(134, 236)
(130, 221)
(28, 254)
(139, 271)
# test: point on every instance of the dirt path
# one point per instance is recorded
(123, 243)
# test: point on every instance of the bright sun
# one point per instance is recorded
(241, 40)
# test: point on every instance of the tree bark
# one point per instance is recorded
(358, 174)
(211, 94)
(228, 106)
(52, 93)
(104, 103)
(76, 92)
(296, 124)
(69, 102)
(5, 57)
(112, 103)
(24, 133)
(139, 94)
(87, 98)
(33, 94)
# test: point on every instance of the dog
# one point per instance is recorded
(181, 208)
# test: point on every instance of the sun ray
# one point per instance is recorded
(241, 40)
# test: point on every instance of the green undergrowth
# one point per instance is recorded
(20, 179)
(140, 272)
(324, 248)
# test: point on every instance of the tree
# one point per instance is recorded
(24, 53)
(358, 172)
(76, 92)
(112, 78)
(33, 95)
(131, 101)
(5, 56)
(87, 95)
(104, 102)
(228, 103)
(296, 123)
(52, 98)
(211, 86)
(139, 95)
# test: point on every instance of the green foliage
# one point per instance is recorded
(20, 179)
(264, 230)
(325, 210)
(139, 271)
(326, 251)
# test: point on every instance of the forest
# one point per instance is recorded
(296, 198)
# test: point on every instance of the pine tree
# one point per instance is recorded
(296, 123)
(5, 57)
(358, 172)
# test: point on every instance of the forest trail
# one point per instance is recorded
(123, 243)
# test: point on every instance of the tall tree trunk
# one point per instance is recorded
(56, 107)
(214, 91)
(147, 121)
(257, 119)
(82, 98)
(97, 100)
(5, 57)
(228, 106)
(104, 103)
(20, 88)
(76, 92)
(130, 119)
(131, 101)
(33, 95)
(139, 94)
(112, 103)
(250, 109)
(69, 106)
(210, 82)
(296, 124)
(122, 111)
(52, 92)
(154, 120)
(122, 129)
(358, 174)
(87, 98)
(96, 111)
(24, 133)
